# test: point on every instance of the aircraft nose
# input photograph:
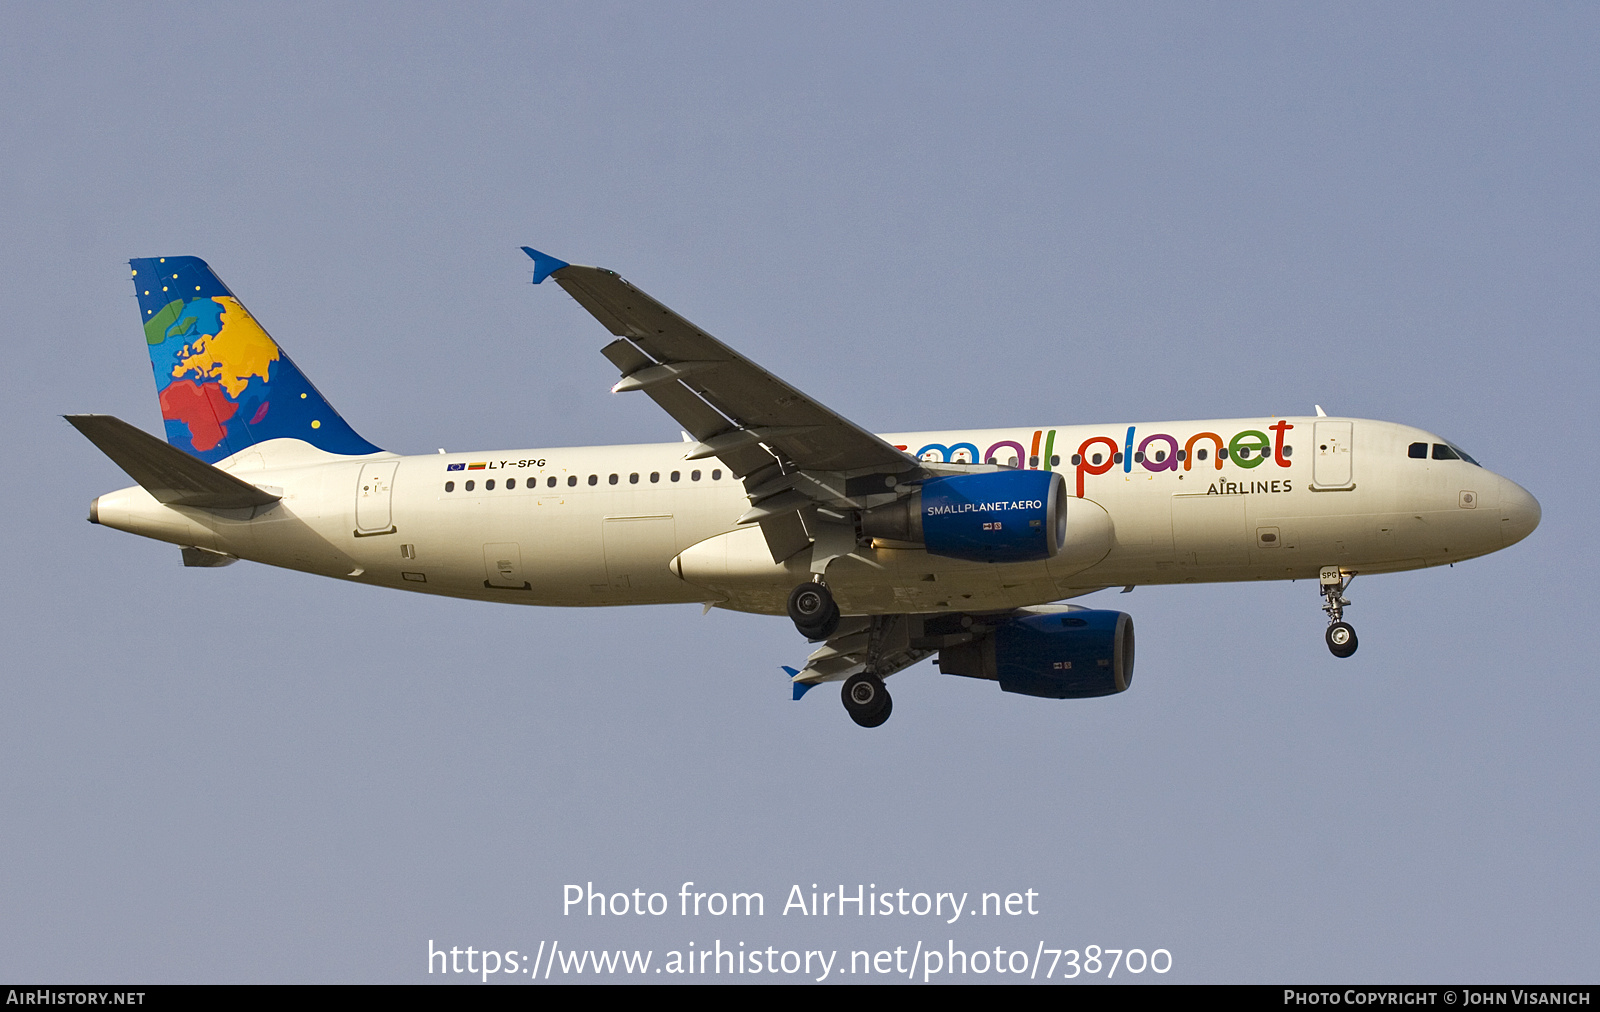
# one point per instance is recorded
(1519, 512)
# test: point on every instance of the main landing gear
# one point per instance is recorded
(1341, 636)
(813, 612)
(816, 616)
(867, 699)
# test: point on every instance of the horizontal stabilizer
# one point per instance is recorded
(166, 472)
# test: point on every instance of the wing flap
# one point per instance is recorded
(880, 644)
(166, 472)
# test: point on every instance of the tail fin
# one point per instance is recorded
(223, 381)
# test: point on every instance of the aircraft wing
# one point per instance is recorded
(731, 405)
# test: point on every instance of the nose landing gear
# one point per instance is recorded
(1341, 636)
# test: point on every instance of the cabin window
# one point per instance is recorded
(1077, 459)
(694, 475)
(449, 486)
(594, 479)
(572, 479)
(1116, 458)
(1097, 458)
(1443, 452)
(633, 479)
(655, 476)
(512, 483)
(1160, 456)
(675, 475)
(488, 486)
(469, 486)
(1244, 452)
(1055, 460)
(1184, 454)
(1138, 456)
(716, 474)
(613, 479)
(1288, 451)
(1033, 461)
(1202, 453)
(1222, 453)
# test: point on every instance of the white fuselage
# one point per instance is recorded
(642, 525)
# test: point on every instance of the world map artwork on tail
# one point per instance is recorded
(223, 382)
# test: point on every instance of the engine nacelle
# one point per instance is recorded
(1001, 516)
(1061, 655)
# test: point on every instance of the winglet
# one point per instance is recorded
(544, 264)
(800, 688)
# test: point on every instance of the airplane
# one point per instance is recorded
(885, 550)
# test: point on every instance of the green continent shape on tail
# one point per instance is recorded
(155, 328)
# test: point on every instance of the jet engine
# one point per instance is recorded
(1001, 516)
(1060, 655)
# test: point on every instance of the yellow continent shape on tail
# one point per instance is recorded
(239, 349)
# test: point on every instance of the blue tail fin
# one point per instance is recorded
(223, 381)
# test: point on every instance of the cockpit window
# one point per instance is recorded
(1463, 454)
(1441, 451)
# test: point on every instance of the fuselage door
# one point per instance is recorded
(1330, 461)
(1210, 530)
(373, 498)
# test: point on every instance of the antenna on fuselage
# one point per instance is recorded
(1320, 413)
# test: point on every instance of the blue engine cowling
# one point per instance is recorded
(1061, 655)
(1004, 516)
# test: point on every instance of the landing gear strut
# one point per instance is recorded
(1341, 636)
(867, 699)
(813, 612)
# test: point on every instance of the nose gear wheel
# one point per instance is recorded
(1341, 639)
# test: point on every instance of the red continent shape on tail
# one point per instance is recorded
(203, 407)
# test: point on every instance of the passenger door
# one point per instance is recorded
(1331, 466)
(374, 496)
